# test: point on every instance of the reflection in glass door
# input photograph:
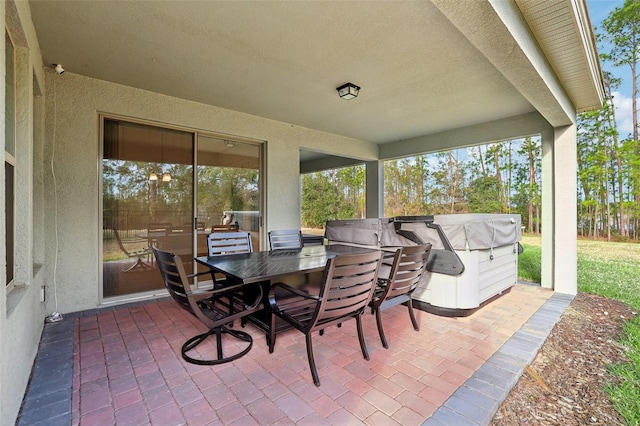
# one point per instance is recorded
(148, 199)
(228, 190)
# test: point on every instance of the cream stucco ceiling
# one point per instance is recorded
(283, 60)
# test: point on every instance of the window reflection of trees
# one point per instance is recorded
(131, 200)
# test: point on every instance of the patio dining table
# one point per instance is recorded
(267, 267)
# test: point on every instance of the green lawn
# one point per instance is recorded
(611, 270)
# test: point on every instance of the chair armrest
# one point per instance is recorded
(296, 291)
(197, 274)
(200, 294)
(288, 302)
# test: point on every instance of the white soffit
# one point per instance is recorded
(563, 31)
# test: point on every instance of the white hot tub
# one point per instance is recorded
(473, 260)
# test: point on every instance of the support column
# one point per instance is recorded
(374, 189)
(565, 271)
(559, 210)
(548, 175)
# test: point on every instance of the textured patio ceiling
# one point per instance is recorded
(419, 73)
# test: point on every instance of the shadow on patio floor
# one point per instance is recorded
(127, 368)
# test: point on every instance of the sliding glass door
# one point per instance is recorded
(169, 188)
(228, 187)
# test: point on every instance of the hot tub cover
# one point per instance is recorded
(367, 232)
(464, 231)
(471, 231)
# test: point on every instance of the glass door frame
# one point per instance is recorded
(260, 144)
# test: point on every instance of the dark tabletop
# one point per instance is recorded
(268, 265)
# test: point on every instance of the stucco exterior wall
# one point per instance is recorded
(72, 129)
(21, 310)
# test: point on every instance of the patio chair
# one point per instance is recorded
(285, 239)
(345, 291)
(219, 243)
(223, 243)
(140, 251)
(407, 267)
(215, 308)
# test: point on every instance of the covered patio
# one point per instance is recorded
(122, 365)
(434, 75)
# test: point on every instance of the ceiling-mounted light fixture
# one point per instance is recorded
(58, 68)
(348, 91)
(166, 176)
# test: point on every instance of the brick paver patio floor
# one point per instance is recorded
(127, 369)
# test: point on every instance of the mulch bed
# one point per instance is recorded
(564, 385)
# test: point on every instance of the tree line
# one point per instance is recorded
(502, 177)
(609, 163)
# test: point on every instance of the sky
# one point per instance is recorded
(598, 11)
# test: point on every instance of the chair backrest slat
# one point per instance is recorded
(408, 267)
(174, 277)
(220, 243)
(285, 239)
(348, 285)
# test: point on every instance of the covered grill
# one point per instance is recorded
(474, 256)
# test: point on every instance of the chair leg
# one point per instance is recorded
(416, 327)
(322, 331)
(312, 361)
(271, 337)
(219, 342)
(363, 345)
(218, 331)
(383, 338)
(139, 263)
